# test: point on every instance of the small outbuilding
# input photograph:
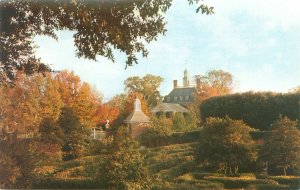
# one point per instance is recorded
(138, 121)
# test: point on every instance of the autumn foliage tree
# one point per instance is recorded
(79, 96)
(100, 26)
(29, 133)
(282, 148)
(107, 112)
(214, 83)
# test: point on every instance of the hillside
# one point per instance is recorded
(173, 167)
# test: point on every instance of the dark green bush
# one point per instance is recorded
(236, 183)
(150, 139)
(268, 187)
(258, 110)
(55, 183)
(292, 181)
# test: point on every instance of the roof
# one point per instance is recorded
(181, 92)
(137, 116)
(169, 107)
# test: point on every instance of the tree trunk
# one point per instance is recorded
(225, 168)
(284, 170)
(236, 169)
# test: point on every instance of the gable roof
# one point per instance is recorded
(169, 107)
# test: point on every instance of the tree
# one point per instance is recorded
(20, 106)
(295, 90)
(124, 166)
(109, 112)
(226, 144)
(282, 148)
(179, 122)
(51, 139)
(78, 96)
(147, 86)
(214, 83)
(75, 134)
(100, 27)
(50, 98)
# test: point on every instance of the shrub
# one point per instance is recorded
(293, 181)
(239, 182)
(59, 183)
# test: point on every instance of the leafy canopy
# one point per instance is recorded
(282, 148)
(100, 27)
(147, 86)
(226, 144)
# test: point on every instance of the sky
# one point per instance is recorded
(258, 42)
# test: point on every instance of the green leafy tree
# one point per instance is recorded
(124, 167)
(51, 139)
(179, 122)
(147, 86)
(162, 127)
(282, 148)
(75, 135)
(226, 144)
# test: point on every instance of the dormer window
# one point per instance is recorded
(168, 98)
(186, 97)
(175, 98)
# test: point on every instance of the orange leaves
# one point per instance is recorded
(107, 112)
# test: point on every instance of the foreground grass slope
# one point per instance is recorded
(173, 167)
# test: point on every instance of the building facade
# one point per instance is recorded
(183, 95)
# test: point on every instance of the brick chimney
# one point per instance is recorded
(175, 83)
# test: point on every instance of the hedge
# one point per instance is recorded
(293, 181)
(58, 183)
(153, 140)
(258, 110)
(238, 183)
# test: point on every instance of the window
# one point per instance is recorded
(175, 98)
(168, 98)
(181, 98)
(186, 97)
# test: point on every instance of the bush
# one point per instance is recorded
(239, 182)
(267, 187)
(152, 139)
(58, 183)
(293, 181)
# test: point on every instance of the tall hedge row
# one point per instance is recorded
(259, 110)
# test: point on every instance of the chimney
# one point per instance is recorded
(175, 83)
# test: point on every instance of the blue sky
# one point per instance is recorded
(258, 42)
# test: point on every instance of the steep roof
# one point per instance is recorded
(137, 116)
(169, 107)
(189, 92)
